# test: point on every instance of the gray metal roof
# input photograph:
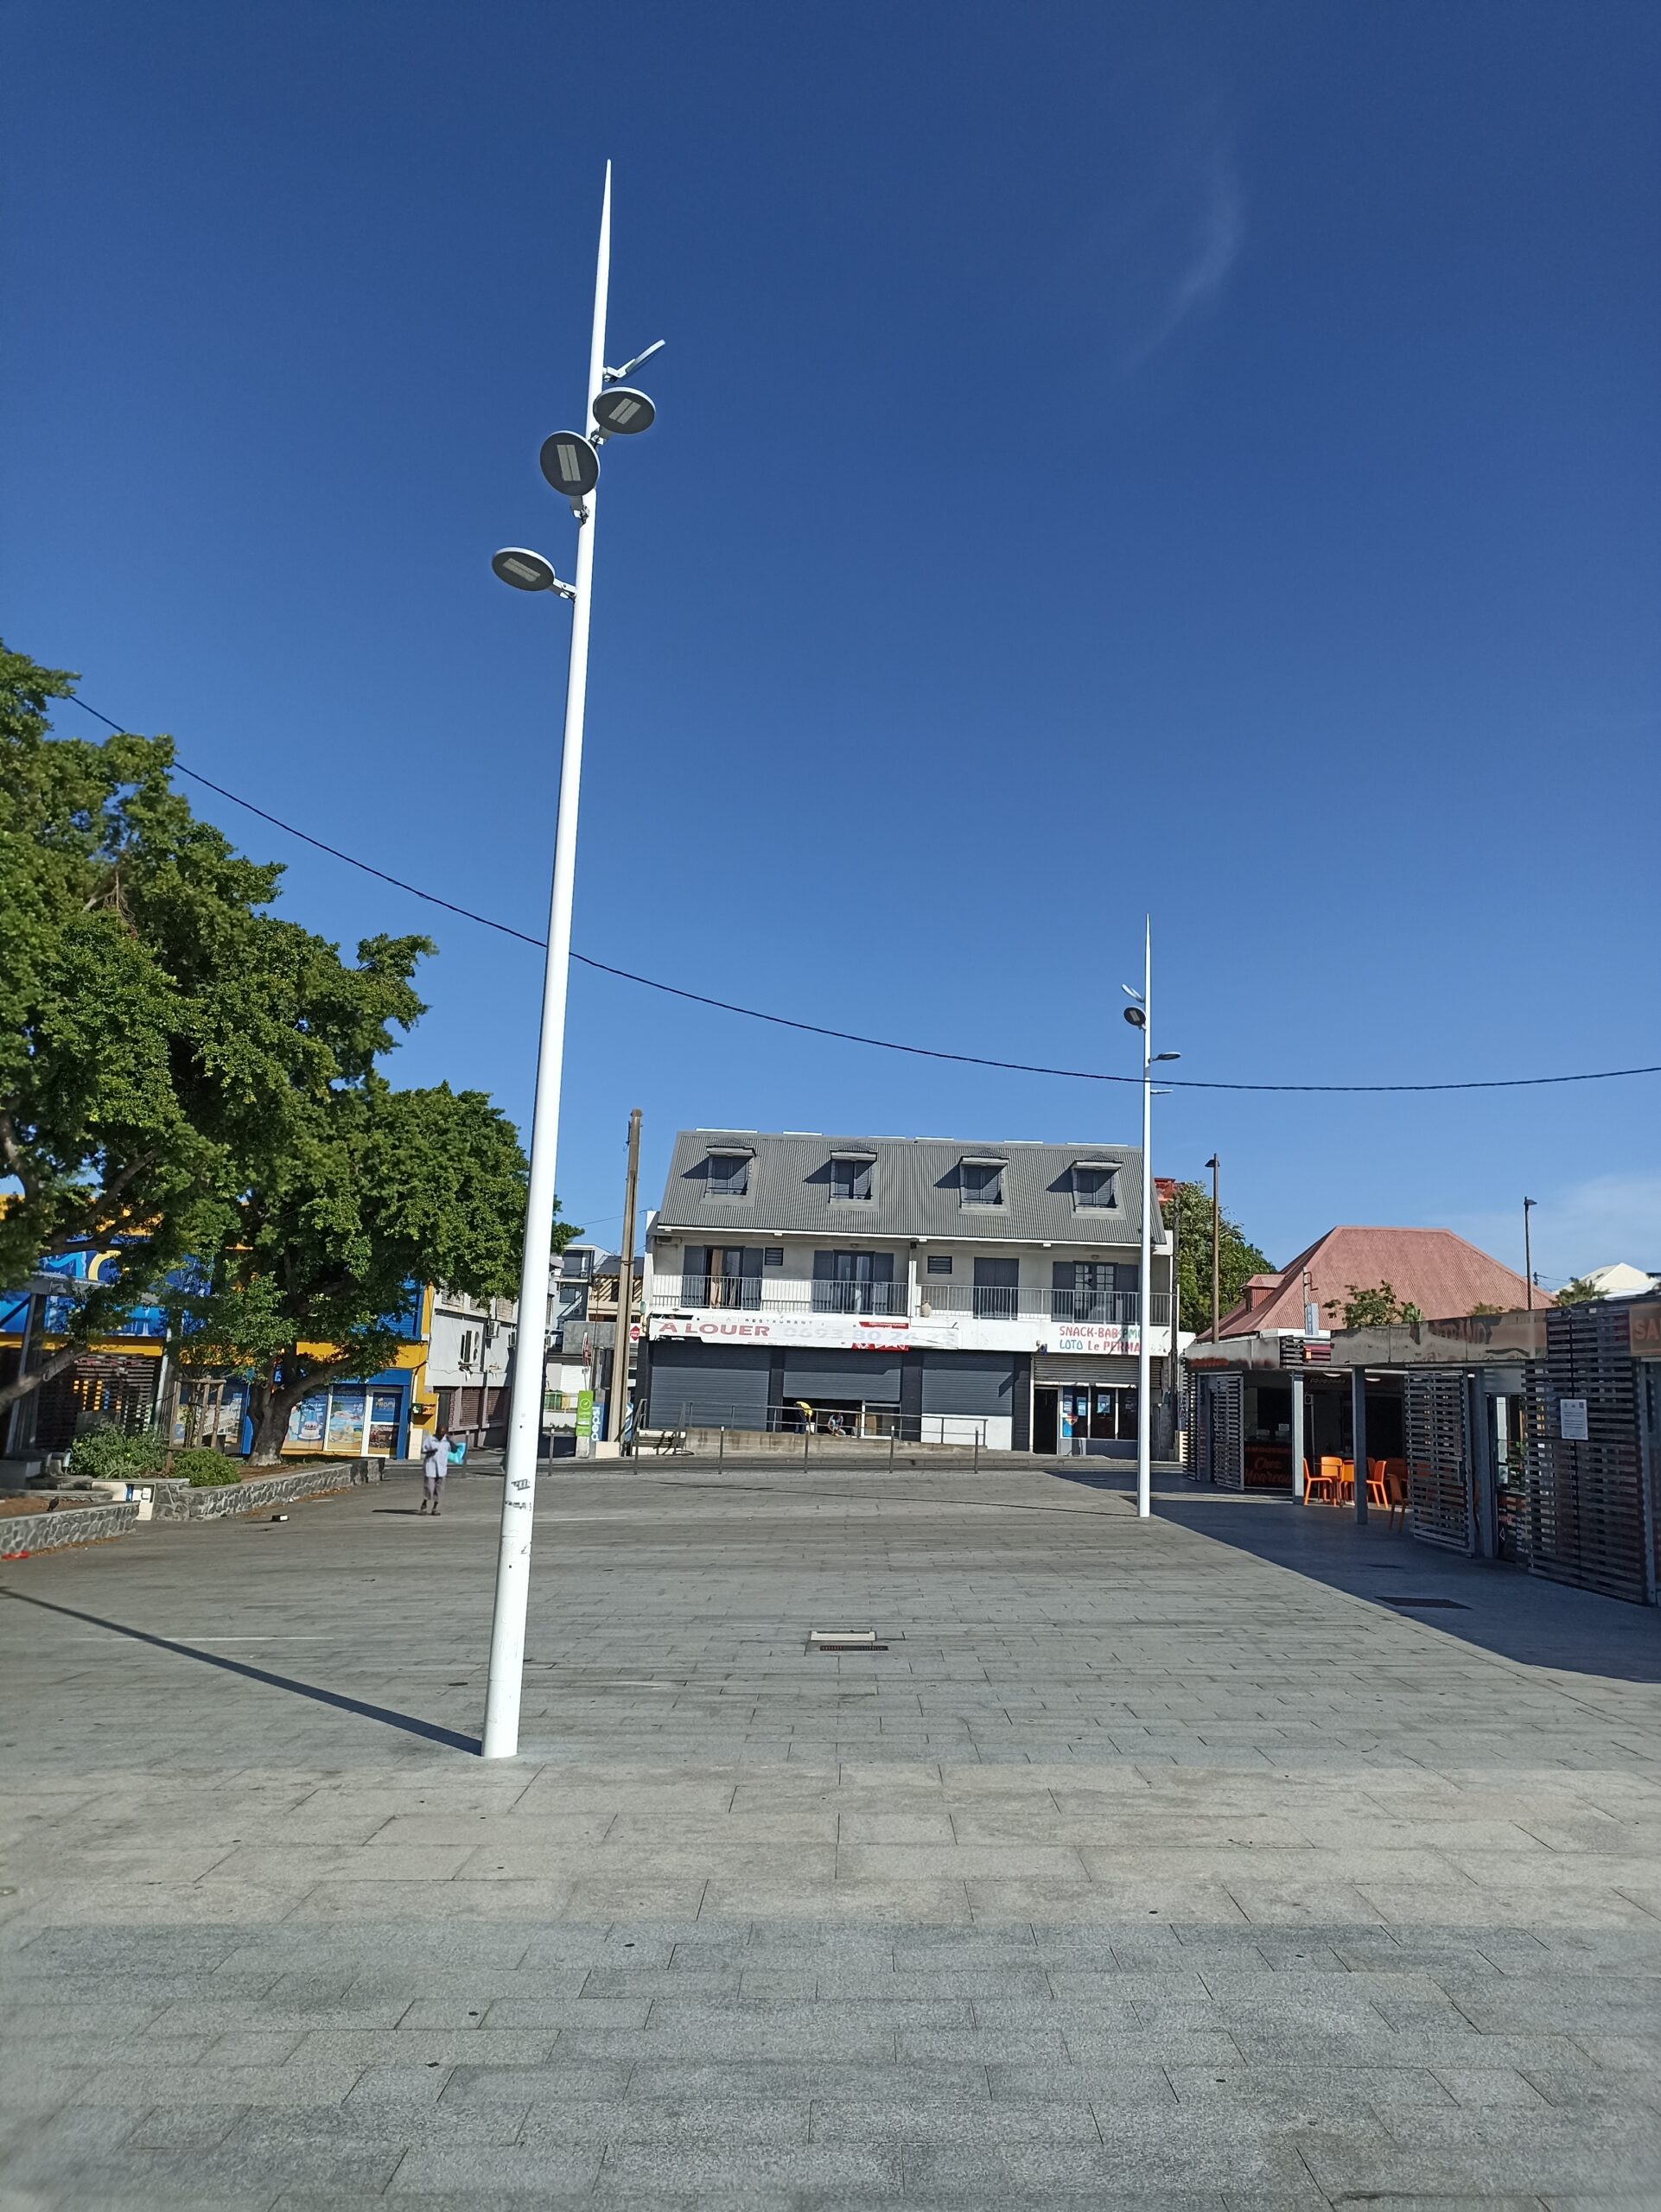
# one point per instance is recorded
(914, 1190)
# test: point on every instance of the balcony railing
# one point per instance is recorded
(988, 1302)
(759, 1295)
(755, 1294)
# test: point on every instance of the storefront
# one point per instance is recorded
(1433, 1416)
(103, 1389)
(352, 1420)
(1080, 1419)
(887, 1388)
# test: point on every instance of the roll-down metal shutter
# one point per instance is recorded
(709, 1386)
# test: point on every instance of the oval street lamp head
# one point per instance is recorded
(1136, 1017)
(525, 570)
(570, 464)
(622, 411)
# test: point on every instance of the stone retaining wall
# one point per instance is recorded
(80, 1525)
(174, 1501)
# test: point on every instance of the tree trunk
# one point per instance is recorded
(270, 1405)
(270, 1410)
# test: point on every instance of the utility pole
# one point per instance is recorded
(625, 1286)
(1216, 1247)
(1528, 1251)
(1175, 1300)
(1173, 1308)
(1140, 1015)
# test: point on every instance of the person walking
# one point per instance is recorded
(434, 1458)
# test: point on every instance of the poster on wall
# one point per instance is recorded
(344, 1419)
(307, 1421)
(384, 1409)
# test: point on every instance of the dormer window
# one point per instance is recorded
(1095, 1184)
(726, 1175)
(850, 1175)
(980, 1182)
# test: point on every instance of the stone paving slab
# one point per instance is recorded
(1144, 1869)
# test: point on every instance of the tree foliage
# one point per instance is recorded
(180, 1068)
(1580, 1292)
(385, 1189)
(1375, 1308)
(1237, 1260)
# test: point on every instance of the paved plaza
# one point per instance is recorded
(1183, 1865)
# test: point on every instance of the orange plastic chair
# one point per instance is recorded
(1330, 1480)
(1376, 1494)
(1399, 1497)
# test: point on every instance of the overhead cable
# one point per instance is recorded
(854, 1036)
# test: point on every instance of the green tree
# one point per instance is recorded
(186, 1075)
(1580, 1292)
(385, 1189)
(1191, 1214)
(1377, 1307)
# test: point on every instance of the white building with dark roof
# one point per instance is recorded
(926, 1288)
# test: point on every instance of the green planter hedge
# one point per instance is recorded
(205, 1470)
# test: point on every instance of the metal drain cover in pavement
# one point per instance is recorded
(843, 1639)
(1446, 1605)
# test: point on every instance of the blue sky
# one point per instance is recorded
(1111, 458)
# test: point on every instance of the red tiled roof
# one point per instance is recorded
(1431, 1269)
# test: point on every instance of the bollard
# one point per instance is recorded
(721, 1448)
(977, 1452)
(890, 1450)
(807, 1431)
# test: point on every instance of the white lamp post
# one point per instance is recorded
(571, 462)
(1139, 1013)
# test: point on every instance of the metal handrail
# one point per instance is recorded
(995, 1302)
(880, 1424)
(755, 1294)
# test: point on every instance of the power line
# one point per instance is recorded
(853, 1036)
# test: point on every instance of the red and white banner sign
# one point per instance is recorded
(868, 1333)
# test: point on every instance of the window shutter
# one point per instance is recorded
(997, 1274)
